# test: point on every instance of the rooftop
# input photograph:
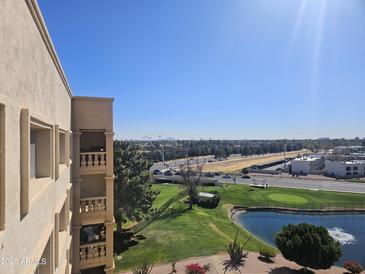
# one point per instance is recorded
(206, 195)
(307, 158)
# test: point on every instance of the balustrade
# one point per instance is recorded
(92, 204)
(93, 253)
(92, 162)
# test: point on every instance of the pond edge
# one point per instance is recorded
(235, 210)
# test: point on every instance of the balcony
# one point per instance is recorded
(92, 254)
(92, 209)
(92, 163)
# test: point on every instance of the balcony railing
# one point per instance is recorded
(92, 254)
(92, 204)
(92, 162)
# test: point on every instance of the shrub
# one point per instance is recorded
(245, 170)
(210, 202)
(144, 268)
(353, 267)
(197, 269)
(308, 245)
(267, 254)
(237, 255)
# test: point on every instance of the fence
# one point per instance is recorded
(308, 205)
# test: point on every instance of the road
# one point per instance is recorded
(330, 185)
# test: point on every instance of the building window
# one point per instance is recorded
(348, 168)
(40, 152)
(355, 168)
(24, 160)
(71, 146)
(2, 167)
(355, 172)
(62, 148)
(348, 173)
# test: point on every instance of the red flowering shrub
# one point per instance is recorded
(197, 269)
(353, 267)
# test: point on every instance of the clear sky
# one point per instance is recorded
(225, 69)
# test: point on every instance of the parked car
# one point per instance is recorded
(217, 174)
(245, 177)
(226, 176)
(168, 173)
(209, 174)
(157, 172)
(178, 173)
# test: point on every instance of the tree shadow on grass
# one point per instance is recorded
(288, 270)
(172, 213)
(125, 240)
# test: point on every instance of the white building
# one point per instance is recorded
(343, 169)
(307, 164)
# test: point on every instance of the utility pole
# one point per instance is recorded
(162, 149)
(163, 154)
(284, 150)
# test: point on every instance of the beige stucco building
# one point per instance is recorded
(56, 157)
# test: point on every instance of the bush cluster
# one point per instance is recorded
(353, 267)
(308, 245)
(267, 254)
(196, 268)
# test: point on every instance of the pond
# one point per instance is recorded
(347, 228)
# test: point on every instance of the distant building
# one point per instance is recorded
(307, 164)
(343, 150)
(345, 169)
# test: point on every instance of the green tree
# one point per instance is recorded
(191, 175)
(308, 245)
(132, 189)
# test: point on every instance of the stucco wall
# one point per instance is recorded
(28, 79)
(92, 113)
(92, 186)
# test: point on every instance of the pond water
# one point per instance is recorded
(348, 229)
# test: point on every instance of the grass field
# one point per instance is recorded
(235, 165)
(180, 233)
(166, 192)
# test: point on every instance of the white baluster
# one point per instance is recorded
(88, 205)
(90, 252)
(82, 206)
(103, 159)
(97, 205)
(82, 160)
(102, 251)
(82, 253)
(102, 204)
(93, 205)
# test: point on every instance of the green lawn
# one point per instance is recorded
(179, 233)
(166, 192)
(289, 197)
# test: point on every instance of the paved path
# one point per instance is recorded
(253, 265)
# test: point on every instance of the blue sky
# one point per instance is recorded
(254, 69)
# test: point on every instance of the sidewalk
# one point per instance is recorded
(254, 265)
